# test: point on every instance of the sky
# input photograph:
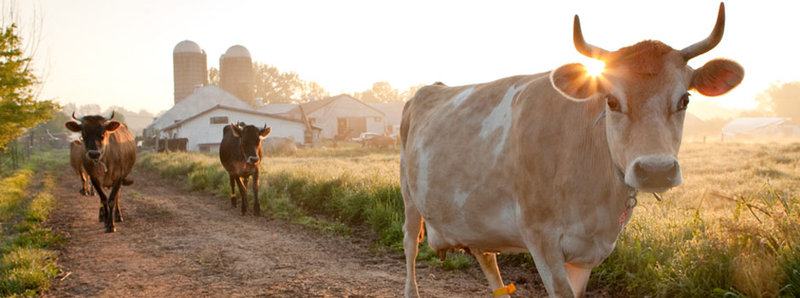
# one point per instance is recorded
(112, 52)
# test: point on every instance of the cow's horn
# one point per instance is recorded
(581, 45)
(73, 116)
(711, 41)
(112, 115)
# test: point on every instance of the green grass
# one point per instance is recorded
(733, 228)
(27, 258)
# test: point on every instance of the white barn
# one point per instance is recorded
(341, 116)
(200, 118)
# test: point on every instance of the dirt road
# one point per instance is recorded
(176, 242)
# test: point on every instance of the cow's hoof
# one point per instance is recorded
(111, 229)
(257, 213)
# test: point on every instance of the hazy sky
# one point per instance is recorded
(120, 52)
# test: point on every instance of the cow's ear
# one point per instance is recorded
(236, 130)
(717, 77)
(112, 125)
(575, 82)
(264, 132)
(73, 126)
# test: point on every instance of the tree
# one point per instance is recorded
(782, 99)
(380, 92)
(213, 76)
(274, 86)
(19, 110)
(313, 91)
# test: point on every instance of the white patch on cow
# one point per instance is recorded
(460, 197)
(500, 118)
(423, 160)
(461, 97)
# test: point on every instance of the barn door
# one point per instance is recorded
(341, 128)
(357, 126)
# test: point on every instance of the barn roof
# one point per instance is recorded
(247, 111)
(277, 108)
(200, 100)
(749, 124)
(312, 106)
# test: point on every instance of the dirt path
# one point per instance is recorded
(180, 243)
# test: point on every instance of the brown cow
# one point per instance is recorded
(240, 154)
(110, 155)
(549, 164)
(76, 153)
(381, 142)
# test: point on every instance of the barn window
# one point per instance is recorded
(219, 120)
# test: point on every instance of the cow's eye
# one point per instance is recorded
(683, 103)
(613, 103)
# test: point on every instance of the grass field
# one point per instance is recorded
(27, 255)
(732, 229)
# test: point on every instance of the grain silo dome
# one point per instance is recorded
(187, 46)
(237, 51)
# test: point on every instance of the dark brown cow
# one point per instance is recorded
(240, 154)
(76, 153)
(110, 155)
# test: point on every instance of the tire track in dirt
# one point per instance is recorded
(181, 243)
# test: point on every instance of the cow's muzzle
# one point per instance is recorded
(93, 154)
(654, 173)
(252, 159)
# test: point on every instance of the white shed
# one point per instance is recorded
(204, 130)
(342, 116)
(761, 127)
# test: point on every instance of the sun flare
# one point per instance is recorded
(595, 67)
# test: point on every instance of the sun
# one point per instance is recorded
(594, 67)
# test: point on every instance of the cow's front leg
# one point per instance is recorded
(233, 189)
(242, 194)
(549, 260)
(101, 217)
(256, 203)
(112, 206)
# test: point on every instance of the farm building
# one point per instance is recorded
(394, 114)
(341, 117)
(200, 117)
(761, 127)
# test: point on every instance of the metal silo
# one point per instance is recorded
(236, 73)
(189, 68)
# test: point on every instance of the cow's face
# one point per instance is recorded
(645, 91)
(250, 138)
(94, 132)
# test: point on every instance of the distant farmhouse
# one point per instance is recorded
(341, 117)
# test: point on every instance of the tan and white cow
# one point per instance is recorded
(549, 163)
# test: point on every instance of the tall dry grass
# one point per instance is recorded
(731, 229)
